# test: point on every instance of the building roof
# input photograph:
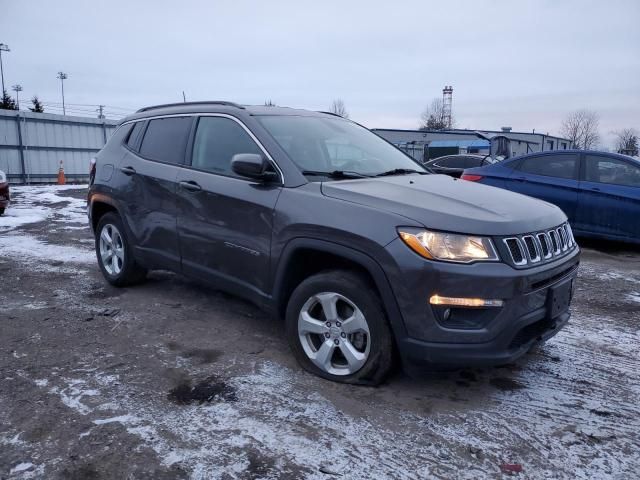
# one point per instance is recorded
(460, 143)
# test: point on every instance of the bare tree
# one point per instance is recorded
(269, 103)
(581, 127)
(627, 141)
(433, 118)
(339, 108)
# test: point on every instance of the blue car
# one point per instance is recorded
(599, 192)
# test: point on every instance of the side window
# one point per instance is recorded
(452, 162)
(560, 166)
(611, 170)
(217, 140)
(166, 139)
(132, 141)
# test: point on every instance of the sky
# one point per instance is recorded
(524, 64)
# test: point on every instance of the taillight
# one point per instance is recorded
(472, 178)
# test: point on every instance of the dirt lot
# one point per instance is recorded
(173, 380)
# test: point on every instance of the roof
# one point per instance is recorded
(219, 106)
(463, 131)
(460, 143)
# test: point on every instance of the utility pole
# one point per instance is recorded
(3, 48)
(17, 88)
(100, 111)
(184, 98)
(62, 76)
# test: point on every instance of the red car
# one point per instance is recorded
(4, 192)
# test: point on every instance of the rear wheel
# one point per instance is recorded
(114, 253)
(337, 328)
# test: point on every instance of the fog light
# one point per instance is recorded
(464, 302)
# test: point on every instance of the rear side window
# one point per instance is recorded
(611, 170)
(559, 166)
(452, 162)
(166, 139)
(217, 140)
(134, 136)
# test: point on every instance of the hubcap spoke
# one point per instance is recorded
(354, 358)
(322, 357)
(105, 235)
(328, 302)
(355, 323)
(308, 324)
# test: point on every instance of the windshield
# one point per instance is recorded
(319, 144)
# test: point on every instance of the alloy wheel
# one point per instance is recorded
(111, 249)
(334, 333)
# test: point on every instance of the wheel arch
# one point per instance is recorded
(303, 257)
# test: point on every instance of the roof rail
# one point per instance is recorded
(212, 102)
(331, 113)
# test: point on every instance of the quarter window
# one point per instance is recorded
(217, 140)
(132, 142)
(611, 170)
(560, 166)
(166, 139)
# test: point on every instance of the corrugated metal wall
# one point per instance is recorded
(33, 144)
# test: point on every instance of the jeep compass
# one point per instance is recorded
(365, 255)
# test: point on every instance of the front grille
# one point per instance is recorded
(537, 247)
(517, 255)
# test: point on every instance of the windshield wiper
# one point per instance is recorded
(400, 171)
(336, 174)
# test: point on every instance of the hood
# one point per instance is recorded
(444, 203)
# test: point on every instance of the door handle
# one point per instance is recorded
(191, 186)
(128, 170)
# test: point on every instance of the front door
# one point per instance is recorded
(225, 221)
(553, 178)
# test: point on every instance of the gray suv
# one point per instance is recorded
(367, 257)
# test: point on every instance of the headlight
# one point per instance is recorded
(450, 247)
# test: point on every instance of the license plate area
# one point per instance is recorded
(559, 298)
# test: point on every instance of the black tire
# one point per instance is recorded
(1, 211)
(360, 292)
(129, 272)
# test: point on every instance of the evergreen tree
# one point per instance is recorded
(7, 102)
(37, 106)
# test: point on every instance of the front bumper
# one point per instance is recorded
(484, 336)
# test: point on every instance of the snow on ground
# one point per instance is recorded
(36, 203)
(27, 248)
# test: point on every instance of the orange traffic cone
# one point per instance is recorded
(61, 179)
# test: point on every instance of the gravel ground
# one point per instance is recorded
(170, 379)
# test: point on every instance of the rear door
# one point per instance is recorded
(225, 222)
(147, 187)
(609, 198)
(553, 178)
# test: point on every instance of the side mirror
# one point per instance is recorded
(253, 165)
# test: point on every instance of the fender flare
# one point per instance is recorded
(364, 260)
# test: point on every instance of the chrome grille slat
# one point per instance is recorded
(533, 248)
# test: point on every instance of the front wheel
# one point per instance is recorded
(114, 252)
(337, 328)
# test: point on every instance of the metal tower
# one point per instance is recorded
(447, 100)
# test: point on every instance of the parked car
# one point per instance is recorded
(364, 261)
(598, 191)
(454, 165)
(4, 192)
